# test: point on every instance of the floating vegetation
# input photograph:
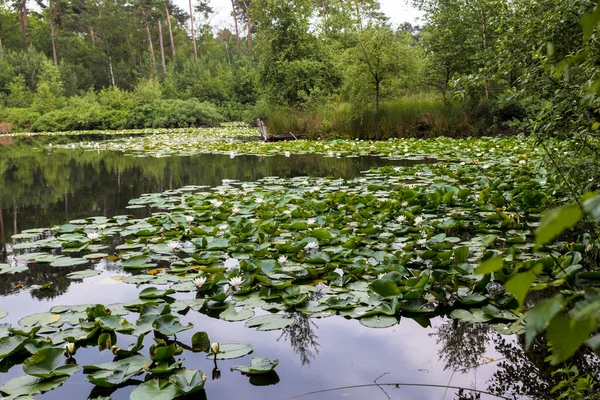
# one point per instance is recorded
(396, 242)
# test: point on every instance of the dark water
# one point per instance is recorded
(427, 359)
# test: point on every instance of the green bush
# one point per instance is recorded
(72, 119)
(21, 119)
(174, 113)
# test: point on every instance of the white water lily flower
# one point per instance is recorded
(189, 218)
(522, 162)
(429, 297)
(72, 147)
(214, 347)
(381, 275)
(223, 227)
(287, 154)
(70, 349)
(174, 245)
(311, 246)
(236, 282)
(462, 163)
(311, 221)
(282, 259)
(216, 203)
(93, 236)
(226, 181)
(231, 263)
(232, 154)
(288, 212)
(339, 271)
(397, 169)
(372, 261)
(259, 200)
(421, 242)
(200, 281)
(330, 153)
(235, 210)
(400, 219)
(404, 204)
(418, 220)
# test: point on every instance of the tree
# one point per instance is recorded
(378, 57)
(294, 65)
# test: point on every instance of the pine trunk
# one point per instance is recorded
(162, 48)
(170, 29)
(193, 32)
(24, 22)
(150, 45)
(235, 19)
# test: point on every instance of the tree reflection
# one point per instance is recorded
(462, 344)
(302, 337)
(519, 373)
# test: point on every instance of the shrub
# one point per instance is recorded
(174, 113)
(21, 119)
(5, 127)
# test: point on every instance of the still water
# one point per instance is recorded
(318, 358)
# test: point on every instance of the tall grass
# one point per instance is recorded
(418, 116)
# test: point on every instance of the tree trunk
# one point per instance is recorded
(24, 22)
(235, 19)
(193, 32)
(162, 48)
(130, 49)
(150, 45)
(358, 17)
(1, 51)
(249, 38)
(53, 34)
(170, 29)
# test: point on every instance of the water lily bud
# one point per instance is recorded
(115, 349)
(214, 347)
(70, 349)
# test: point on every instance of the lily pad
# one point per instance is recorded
(269, 322)
(83, 274)
(41, 319)
(379, 321)
(258, 365)
(228, 351)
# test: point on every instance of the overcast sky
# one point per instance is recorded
(397, 10)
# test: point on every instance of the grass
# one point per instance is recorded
(417, 116)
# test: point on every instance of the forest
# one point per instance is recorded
(324, 68)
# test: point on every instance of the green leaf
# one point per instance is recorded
(11, 344)
(68, 262)
(188, 380)
(475, 315)
(228, 351)
(154, 293)
(200, 341)
(519, 285)
(379, 321)
(461, 254)
(31, 385)
(137, 262)
(169, 325)
(269, 322)
(554, 222)
(321, 234)
(592, 207)
(155, 389)
(258, 365)
(539, 316)
(230, 314)
(385, 288)
(567, 334)
(117, 372)
(83, 274)
(44, 364)
(41, 319)
(493, 264)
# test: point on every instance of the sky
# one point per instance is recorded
(397, 10)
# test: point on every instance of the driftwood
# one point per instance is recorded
(265, 136)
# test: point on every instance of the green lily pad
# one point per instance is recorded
(258, 365)
(155, 389)
(83, 274)
(228, 351)
(379, 321)
(31, 385)
(44, 364)
(41, 319)
(269, 322)
(68, 262)
(230, 314)
(3, 314)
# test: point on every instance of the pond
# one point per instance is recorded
(424, 356)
